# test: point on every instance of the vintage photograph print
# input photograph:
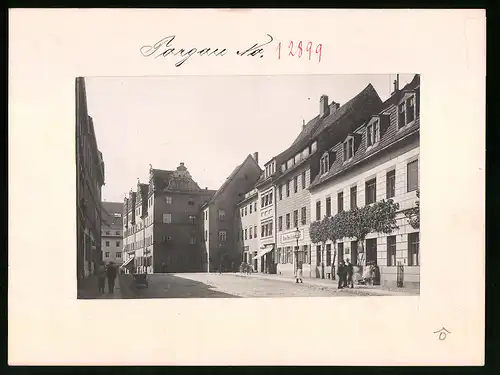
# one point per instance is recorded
(247, 186)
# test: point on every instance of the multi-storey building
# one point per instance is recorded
(247, 235)
(111, 233)
(89, 182)
(298, 167)
(222, 248)
(163, 225)
(377, 160)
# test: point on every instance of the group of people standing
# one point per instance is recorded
(345, 273)
(104, 272)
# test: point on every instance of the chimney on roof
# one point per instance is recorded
(396, 84)
(256, 157)
(324, 110)
(303, 124)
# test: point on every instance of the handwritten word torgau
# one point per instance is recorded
(163, 48)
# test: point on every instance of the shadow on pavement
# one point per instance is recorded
(169, 286)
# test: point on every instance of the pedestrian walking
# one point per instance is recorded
(111, 275)
(341, 272)
(349, 273)
(101, 276)
(298, 275)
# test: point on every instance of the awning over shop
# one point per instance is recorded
(127, 262)
(264, 251)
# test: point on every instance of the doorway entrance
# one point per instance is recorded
(371, 250)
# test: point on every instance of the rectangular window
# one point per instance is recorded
(107, 243)
(328, 206)
(242, 212)
(117, 233)
(191, 202)
(340, 202)
(167, 218)
(354, 197)
(251, 208)
(287, 221)
(242, 234)
(118, 254)
(255, 206)
(412, 175)
(371, 250)
(222, 236)
(328, 255)
(280, 223)
(391, 250)
(295, 218)
(303, 218)
(345, 151)
(351, 147)
(370, 191)
(106, 254)
(168, 200)
(250, 233)
(376, 132)
(255, 231)
(192, 240)
(245, 211)
(280, 190)
(413, 249)
(270, 228)
(295, 184)
(410, 109)
(340, 248)
(390, 184)
(318, 210)
(354, 252)
(288, 188)
(266, 200)
(304, 180)
(117, 243)
(222, 215)
(271, 198)
(246, 234)
(401, 115)
(369, 139)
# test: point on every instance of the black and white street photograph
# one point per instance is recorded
(247, 186)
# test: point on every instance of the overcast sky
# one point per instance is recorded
(211, 123)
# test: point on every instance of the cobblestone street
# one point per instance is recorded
(213, 285)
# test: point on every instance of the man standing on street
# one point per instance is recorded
(341, 272)
(101, 276)
(349, 272)
(111, 275)
(298, 276)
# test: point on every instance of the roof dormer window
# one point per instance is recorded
(348, 148)
(324, 164)
(406, 110)
(373, 133)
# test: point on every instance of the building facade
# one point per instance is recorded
(222, 248)
(378, 160)
(89, 182)
(298, 166)
(163, 228)
(111, 232)
(247, 234)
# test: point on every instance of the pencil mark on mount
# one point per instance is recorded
(442, 333)
(256, 49)
(164, 48)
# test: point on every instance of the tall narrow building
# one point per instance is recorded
(89, 182)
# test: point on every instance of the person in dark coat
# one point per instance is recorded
(341, 272)
(101, 276)
(111, 275)
(349, 273)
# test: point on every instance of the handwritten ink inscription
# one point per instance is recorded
(165, 48)
(300, 49)
(442, 333)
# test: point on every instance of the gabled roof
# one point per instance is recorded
(390, 136)
(367, 101)
(161, 178)
(109, 209)
(233, 174)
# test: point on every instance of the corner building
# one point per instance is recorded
(377, 160)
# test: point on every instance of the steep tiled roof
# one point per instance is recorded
(109, 219)
(388, 136)
(161, 178)
(231, 177)
(367, 101)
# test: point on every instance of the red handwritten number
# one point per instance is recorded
(279, 50)
(309, 49)
(299, 48)
(290, 47)
(318, 51)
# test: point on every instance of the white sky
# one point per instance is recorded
(211, 123)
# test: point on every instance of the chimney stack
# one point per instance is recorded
(303, 124)
(256, 157)
(324, 110)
